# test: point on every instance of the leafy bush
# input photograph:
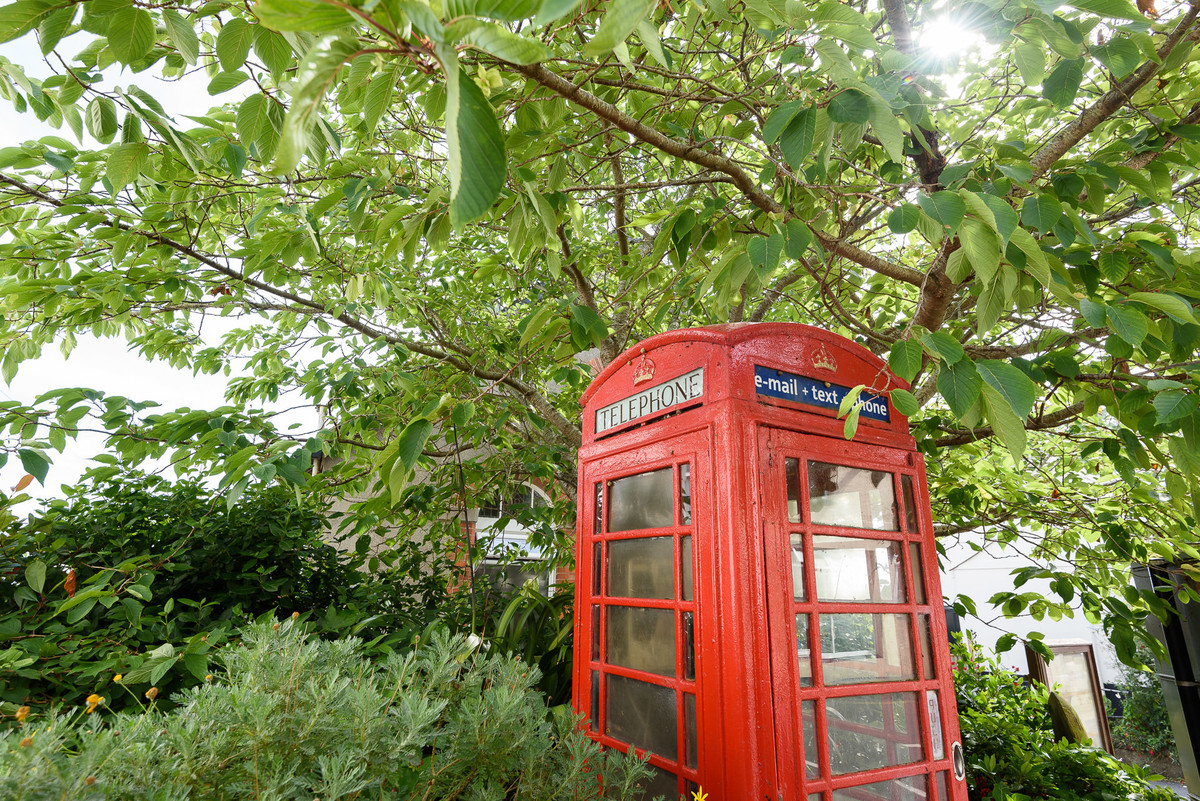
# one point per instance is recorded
(1010, 748)
(1144, 726)
(145, 578)
(294, 717)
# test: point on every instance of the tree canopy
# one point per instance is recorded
(422, 212)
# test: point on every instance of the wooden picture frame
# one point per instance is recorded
(1073, 670)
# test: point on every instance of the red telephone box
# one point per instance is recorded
(758, 605)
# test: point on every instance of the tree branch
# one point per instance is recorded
(1110, 101)
(1040, 423)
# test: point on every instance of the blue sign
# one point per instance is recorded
(809, 391)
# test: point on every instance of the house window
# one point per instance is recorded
(505, 555)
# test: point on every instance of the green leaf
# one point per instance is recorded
(850, 427)
(379, 96)
(1116, 9)
(310, 16)
(1114, 266)
(982, 246)
(850, 400)
(1015, 387)
(504, 44)
(274, 51)
(765, 251)
(316, 75)
(887, 129)
(476, 148)
(959, 384)
(101, 119)
(1173, 404)
(233, 44)
(80, 611)
(139, 591)
(944, 346)
(18, 19)
(850, 105)
(182, 35)
(536, 323)
(224, 81)
(504, 10)
(35, 575)
(945, 207)
(1120, 56)
(905, 402)
(799, 237)
(196, 664)
(904, 218)
(1094, 312)
(905, 358)
(1036, 264)
(1005, 422)
(1031, 62)
(125, 163)
(130, 34)
(1005, 216)
(35, 464)
(617, 24)
(552, 10)
(1061, 85)
(1175, 307)
(1042, 212)
(780, 118)
(411, 441)
(53, 26)
(1129, 324)
(796, 141)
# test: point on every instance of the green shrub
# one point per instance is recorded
(145, 578)
(1144, 726)
(1010, 748)
(293, 717)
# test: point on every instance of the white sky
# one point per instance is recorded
(105, 365)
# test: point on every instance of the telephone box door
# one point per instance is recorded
(864, 706)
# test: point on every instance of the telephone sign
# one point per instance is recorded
(757, 600)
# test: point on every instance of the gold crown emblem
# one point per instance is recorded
(822, 360)
(644, 371)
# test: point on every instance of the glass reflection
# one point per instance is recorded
(909, 788)
(642, 639)
(643, 715)
(859, 649)
(798, 593)
(642, 501)
(851, 497)
(858, 570)
(642, 568)
(865, 732)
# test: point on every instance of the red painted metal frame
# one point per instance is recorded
(750, 740)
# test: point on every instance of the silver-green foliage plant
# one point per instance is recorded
(297, 718)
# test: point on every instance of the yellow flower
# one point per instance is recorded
(699, 795)
(152, 693)
(22, 713)
(94, 701)
(117, 678)
(208, 677)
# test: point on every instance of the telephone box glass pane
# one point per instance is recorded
(858, 649)
(792, 471)
(598, 523)
(865, 732)
(909, 788)
(643, 715)
(597, 550)
(689, 729)
(851, 497)
(689, 647)
(642, 639)
(642, 568)
(641, 501)
(858, 570)
(685, 558)
(916, 565)
(595, 632)
(594, 708)
(685, 494)
(803, 650)
(925, 633)
(808, 720)
(661, 783)
(798, 567)
(910, 503)
(943, 785)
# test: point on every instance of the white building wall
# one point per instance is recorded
(981, 574)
